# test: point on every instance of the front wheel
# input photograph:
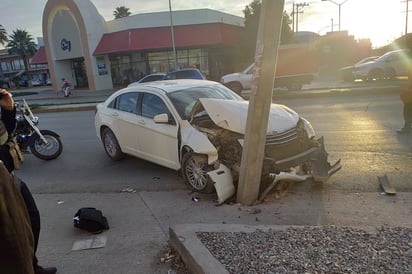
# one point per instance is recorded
(194, 170)
(111, 145)
(47, 151)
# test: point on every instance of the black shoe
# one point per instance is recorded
(44, 270)
(404, 130)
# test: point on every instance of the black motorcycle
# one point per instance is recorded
(44, 144)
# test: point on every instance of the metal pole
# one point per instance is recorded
(339, 15)
(173, 34)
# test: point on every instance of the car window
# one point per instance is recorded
(126, 102)
(153, 105)
(184, 100)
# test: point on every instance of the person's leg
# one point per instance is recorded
(33, 214)
(407, 114)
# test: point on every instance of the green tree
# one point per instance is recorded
(121, 12)
(21, 43)
(3, 35)
(252, 13)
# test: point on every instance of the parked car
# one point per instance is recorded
(152, 77)
(346, 73)
(388, 66)
(186, 73)
(36, 82)
(48, 82)
(198, 127)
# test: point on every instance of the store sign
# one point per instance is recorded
(66, 45)
(101, 66)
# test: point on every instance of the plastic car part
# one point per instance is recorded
(223, 182)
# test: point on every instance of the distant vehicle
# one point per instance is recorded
(388, 66)
(48, 82)
(36, 82)
(152, 77)
(345, 73)
(186, 73)
(296, 66)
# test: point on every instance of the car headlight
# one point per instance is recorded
(308, 128)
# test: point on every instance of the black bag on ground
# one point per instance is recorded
(90, 219)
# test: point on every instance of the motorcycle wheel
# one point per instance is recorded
(44, 151)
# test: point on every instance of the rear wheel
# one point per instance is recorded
(376, 75)
(194, 170)
(111, 145)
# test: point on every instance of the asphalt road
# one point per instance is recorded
(359, 129)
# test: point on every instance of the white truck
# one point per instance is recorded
(296, 66)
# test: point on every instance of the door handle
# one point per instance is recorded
(115, 114)
(142, 122)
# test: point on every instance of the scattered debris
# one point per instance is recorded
(195, 199)
(59, 202)
(386, 185)
(91, 243)
(254, 211)
(156, 178)
(128, 189)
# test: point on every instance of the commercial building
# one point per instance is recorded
(81, 46)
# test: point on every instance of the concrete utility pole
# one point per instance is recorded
(268, 39)
(407, 13)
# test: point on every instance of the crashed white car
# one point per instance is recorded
(198, 126)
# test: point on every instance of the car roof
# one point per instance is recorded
(173, 85)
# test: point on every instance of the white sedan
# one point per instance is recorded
(198, 126)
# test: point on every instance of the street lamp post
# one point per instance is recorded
(173, 35)
(339, 5)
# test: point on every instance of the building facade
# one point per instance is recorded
(81, 46)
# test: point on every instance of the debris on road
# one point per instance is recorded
(386, 185)
(90, 243)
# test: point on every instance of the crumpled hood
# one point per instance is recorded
(232, 115)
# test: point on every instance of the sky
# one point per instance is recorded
(381, 21)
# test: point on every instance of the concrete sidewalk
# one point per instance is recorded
(140, 222)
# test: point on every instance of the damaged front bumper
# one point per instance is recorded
(315, 159)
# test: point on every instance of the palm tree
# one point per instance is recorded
(3, 35)
(3, 41)
(121, 12)
(21, 43)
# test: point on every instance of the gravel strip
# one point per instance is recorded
(325, 249)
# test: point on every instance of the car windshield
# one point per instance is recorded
(184, 100)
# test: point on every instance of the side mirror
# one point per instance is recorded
(161, 118)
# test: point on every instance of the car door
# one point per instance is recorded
(158, 141)
(125, 122)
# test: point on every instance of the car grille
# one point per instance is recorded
(287, 143)
(282, 138)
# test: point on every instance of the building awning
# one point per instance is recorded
(160, 38)
(40, 56)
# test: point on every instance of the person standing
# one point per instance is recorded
(8, 123)
(66, 87)
(406, 98)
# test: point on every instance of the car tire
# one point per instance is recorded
(236, 87)
(376, 75)
(111, 145)
(195, 174)
(391, 74)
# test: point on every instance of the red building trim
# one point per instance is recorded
(160, 38)
(40, 57)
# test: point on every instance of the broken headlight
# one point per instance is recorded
(307, 127)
